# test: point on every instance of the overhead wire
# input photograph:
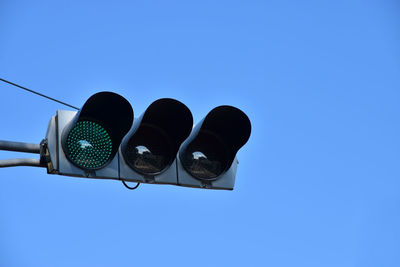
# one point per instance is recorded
(42, 95)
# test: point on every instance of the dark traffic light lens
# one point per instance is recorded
(149, 151)
(206, 157)
(89, 145)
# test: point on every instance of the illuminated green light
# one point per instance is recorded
(89, 145)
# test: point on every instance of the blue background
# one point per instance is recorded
(318, 183)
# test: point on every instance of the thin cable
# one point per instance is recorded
(45, 96)
(130, 188)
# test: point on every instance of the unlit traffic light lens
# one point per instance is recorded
(150, 151)
(89, 145)
(206, 157)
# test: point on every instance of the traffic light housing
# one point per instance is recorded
(101, 140)
(148, 151)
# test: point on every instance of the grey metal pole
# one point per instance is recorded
(19, 147)
(20, 162)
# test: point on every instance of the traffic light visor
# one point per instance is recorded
(213, 145)
(153, 144)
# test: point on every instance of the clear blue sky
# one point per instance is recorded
(318, 182)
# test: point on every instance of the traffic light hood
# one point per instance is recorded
(151, 145)
(214, 142)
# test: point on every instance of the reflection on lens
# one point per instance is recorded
(148, 152)
(205, 158)
(89, 145)
(201, 167)
(146, 161)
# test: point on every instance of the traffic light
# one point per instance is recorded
(148, 152)
(83, 143)
(207, 159)
(102, 140)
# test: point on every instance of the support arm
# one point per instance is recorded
(19, 147)
(20, 162)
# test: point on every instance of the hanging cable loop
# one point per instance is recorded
(130, 188)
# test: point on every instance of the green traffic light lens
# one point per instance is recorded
(89, 145)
